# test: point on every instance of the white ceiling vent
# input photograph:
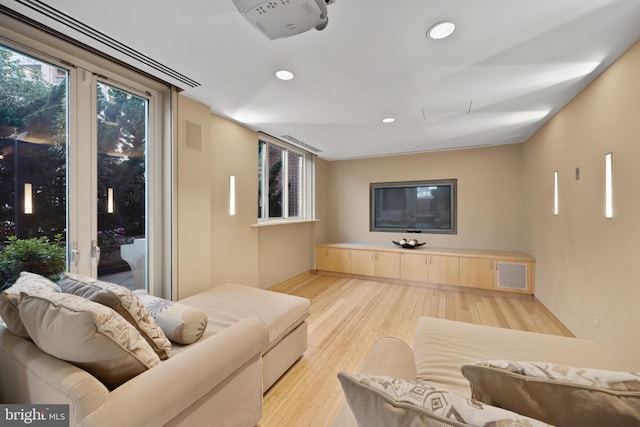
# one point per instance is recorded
(442, 112)
(284, 18)
(301, 144)
(93, 35)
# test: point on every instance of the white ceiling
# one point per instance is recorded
(508, 68)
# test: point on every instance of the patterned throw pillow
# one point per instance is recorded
(87, 334)
(181, 323)
(558, 394)
(385, 401)
(10, 299)
(124, 302)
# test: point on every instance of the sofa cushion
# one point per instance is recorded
(442, 346)
(385, 401)
(87, 334)
(181, 323)
(558, 394)
(10, 299)
(124, 302)
(230, 303)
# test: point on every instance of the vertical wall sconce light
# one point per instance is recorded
(608, 186)
(110, 200)
(28, 198)
(555, 193)
(232, 195)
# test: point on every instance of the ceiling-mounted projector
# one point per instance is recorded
(284, 18)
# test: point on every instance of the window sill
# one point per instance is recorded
(283, 222)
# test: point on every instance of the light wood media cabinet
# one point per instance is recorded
(484, 269)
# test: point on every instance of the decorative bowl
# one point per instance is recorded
(408, 244)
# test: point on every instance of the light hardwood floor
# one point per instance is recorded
(349, 314)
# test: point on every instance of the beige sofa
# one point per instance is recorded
(199, 386)
(442, 347)
(252, 337)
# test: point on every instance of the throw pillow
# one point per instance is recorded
(181, 323)
(87, 334)
(557, 394)
(124, 302)
(385, 401)
(10, 299)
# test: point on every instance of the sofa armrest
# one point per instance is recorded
(160, 394)
(29, 375)
(391, 357)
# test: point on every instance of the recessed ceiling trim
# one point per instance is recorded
(95, 35)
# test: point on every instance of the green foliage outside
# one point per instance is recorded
(19, 91)
(36, 255)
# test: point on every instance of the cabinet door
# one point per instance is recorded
(444, 269)
(414, 267)
(387, 264)
(340, 260)
(362, 262)
(476, 272)
(323, 259)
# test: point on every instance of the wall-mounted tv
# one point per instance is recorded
(414, 207)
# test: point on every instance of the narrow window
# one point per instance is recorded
(294, 184)
(275, 163)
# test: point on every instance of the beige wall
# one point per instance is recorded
(285, 251)
(587, 265)
(234, 242)
(192, 212)
(213, 247)
(490, 202)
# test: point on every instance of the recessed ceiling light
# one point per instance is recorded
(284, 74)
(388, 120)
(441, 30)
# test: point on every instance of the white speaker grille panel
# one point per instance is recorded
(512, 276)
(193, 135)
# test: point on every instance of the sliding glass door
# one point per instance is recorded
(73, 165)
(122, 134)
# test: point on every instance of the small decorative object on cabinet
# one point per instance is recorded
(408, 244)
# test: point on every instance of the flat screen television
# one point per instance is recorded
(414, 207)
